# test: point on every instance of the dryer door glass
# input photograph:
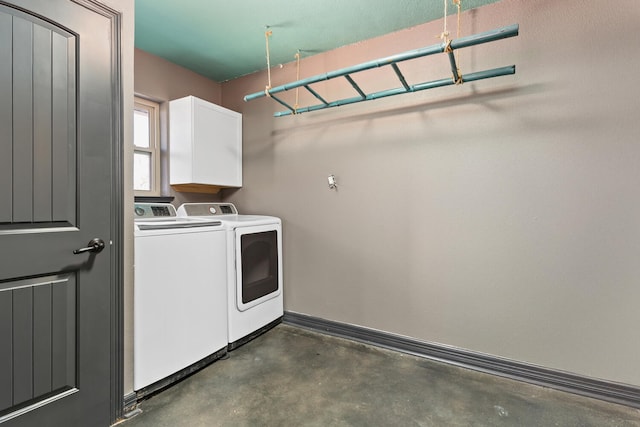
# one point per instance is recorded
(259, 265)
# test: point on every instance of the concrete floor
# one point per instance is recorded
(293, 377)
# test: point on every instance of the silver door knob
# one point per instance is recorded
(95, 245)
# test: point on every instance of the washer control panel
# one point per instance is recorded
(154, 210)
(207, 209)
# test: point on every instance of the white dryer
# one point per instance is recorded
(254, 268)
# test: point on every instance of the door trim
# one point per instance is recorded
(117, 209)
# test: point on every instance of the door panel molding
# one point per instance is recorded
(39, 404)
(6, 118)
(41, 110)
(39, 321)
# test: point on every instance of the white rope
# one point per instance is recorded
(267, 34)
(297, 56)
(458, 3)
(445, 34)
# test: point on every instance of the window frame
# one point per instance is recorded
(153, 110)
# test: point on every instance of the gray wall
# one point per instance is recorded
(163, 81)
(500, 216)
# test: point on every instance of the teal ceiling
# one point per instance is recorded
(223, 40)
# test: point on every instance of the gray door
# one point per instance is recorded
(58, 123)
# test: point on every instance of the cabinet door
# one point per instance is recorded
(217, 153)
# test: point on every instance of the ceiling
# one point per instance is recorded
(223, 40)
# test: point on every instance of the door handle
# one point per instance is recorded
(95, 245)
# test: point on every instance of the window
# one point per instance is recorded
(146, 150)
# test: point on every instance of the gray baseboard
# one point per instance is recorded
(599, 389)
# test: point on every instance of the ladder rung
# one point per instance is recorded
(314, 93)
(355, 86)
(283, 103)
(400, 76)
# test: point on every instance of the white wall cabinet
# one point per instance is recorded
(205, 144)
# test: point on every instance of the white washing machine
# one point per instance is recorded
(180, 295)
(254, 268)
